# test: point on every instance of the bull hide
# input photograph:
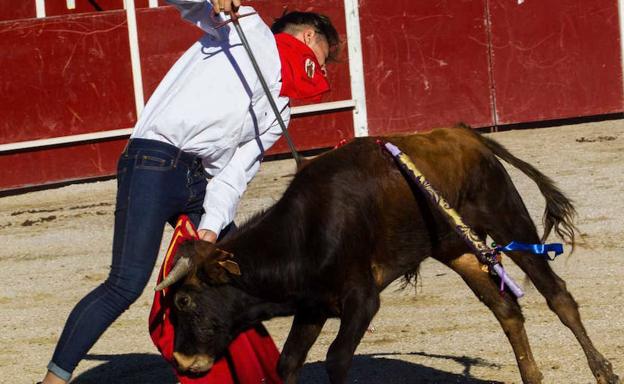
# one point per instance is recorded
(347, 226)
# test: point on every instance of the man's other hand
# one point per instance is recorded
(226, 6)
(207, 235)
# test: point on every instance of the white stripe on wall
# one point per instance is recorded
(356, 67)
(32, 144)
(135, 56)
(153, 3)
(125, 132)
(40, 8)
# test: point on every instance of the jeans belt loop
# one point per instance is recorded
(175, 162)
(125, 150)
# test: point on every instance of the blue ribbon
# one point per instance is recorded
(538, 249)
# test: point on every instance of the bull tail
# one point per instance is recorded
(559, 213)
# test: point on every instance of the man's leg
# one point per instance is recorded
(147, 196)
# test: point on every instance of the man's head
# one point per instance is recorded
(314, 30)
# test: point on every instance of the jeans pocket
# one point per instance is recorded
(154, 162)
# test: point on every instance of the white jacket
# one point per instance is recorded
(212, 104)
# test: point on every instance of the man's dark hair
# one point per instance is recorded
(321, 24)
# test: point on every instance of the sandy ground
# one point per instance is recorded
(56, 247)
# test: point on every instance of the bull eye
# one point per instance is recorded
(183, 301)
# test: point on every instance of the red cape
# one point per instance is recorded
(252, 357)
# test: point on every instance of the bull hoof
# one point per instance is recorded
(609, 379)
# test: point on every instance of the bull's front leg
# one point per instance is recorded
(304, 331)
(358, 308)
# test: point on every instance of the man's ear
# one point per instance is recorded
(308, 36)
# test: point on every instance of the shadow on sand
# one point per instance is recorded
(366, 369)
(131, 368)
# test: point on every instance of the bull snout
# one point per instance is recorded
(195, 363)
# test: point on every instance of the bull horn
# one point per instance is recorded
(179, 270)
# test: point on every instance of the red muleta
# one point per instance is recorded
(252, 357)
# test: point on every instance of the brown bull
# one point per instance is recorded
(350, 224)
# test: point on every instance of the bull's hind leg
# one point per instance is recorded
(359, 305)
(506, 310)
(560, 301)
(304, 331)
(552, 288)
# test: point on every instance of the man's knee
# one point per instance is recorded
(125, 292)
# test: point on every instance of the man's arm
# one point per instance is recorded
(224, 191)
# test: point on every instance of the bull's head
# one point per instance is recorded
(203, 304)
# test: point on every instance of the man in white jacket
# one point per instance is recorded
(196, 145)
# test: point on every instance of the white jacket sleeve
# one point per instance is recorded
(197, 12)
(225, 190)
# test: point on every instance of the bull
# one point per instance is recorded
(347, 226)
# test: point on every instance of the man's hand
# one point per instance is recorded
(227, 6)
(207, 235)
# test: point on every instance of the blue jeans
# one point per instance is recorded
(156, 182)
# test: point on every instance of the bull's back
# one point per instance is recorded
(446, 156)
(385, 225)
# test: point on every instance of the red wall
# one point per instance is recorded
(489, 62)
(434, 63)
(426, 64)
(25, 9)
(64, 163)
(555, 59)
(15, 10)
(65, 76)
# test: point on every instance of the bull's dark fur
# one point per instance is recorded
(350, 224)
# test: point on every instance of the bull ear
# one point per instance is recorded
(217, 264)
(225, 260)
(230, 266)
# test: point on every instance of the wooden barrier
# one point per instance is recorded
(425, 64)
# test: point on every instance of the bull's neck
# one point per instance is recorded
(267, 250)
(254, 310)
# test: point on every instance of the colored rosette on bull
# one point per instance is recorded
(252, 357)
